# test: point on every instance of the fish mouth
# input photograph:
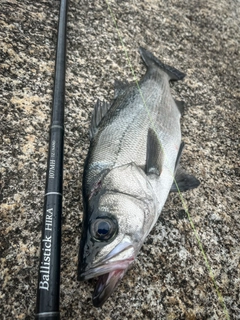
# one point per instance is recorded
(106, 284)
(109, 271)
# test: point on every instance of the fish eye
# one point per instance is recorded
(103, 228)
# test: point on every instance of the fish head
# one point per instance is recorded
(117, 219)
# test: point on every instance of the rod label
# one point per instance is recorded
(52, 160)
(46, 254)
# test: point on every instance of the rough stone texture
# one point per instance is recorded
(169, 280)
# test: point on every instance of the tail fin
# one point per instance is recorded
(151, 61)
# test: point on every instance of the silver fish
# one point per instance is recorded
(133, 158)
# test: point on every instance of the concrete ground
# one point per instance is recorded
(170, 279)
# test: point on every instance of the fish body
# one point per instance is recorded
(133, 157)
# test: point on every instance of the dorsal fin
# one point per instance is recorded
(100, 109)
(152, 62)
(119, 87)
(155, 156)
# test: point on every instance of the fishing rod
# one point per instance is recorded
(48, 288)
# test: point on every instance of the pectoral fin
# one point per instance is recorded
(155, 156)
(184, 181)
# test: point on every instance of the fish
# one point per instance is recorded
(131, 167)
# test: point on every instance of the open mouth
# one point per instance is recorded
(106, 284)
(109, 272)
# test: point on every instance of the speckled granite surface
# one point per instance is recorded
(169, 280)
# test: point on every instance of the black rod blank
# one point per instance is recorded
(48, 290)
